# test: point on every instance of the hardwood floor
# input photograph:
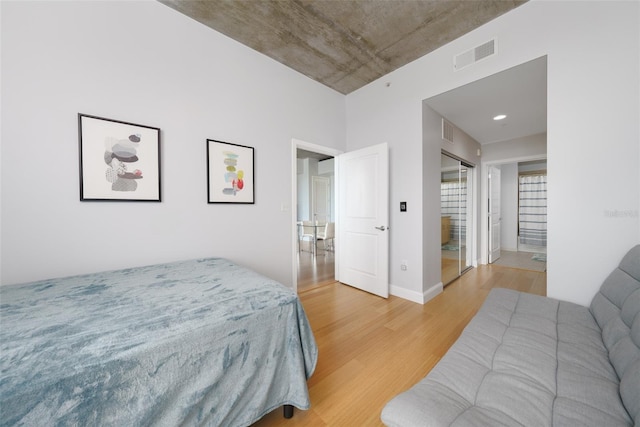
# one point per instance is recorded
(371, 349)
(314, 272)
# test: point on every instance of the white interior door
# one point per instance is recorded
(362, 247)
(321, 199)
(494, 214)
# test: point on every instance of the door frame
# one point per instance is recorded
(295, 144)
(484, 199)
(493, 171)
(473, 172)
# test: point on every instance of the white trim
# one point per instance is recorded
(413, 296)
(474, 220)
(432, 292)
(295, 144)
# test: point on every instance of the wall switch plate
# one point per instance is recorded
(403, 206)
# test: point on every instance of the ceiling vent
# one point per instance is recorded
(447, 131)
(474, 55)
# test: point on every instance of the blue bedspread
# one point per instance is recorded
(199, 342)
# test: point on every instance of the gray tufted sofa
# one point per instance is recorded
(536, 361)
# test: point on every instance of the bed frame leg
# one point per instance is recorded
(288, 411)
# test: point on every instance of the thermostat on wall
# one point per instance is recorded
(403, 206)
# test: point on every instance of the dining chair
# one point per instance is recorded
(305, 231)
(328, 234)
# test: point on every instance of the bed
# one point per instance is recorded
(197, 342)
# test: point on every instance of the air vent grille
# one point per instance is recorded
(447, 131)
(474, 55)
(487, 49)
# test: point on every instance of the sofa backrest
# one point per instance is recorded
(616, 308)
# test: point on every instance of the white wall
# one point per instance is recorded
(145, 63)
(423, 275)
(532, 166)
(525, 148)
(593, 53)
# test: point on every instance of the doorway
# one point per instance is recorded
(456, 216)
(315, 217)
(532, 207)
(361, 186)
(523, 230)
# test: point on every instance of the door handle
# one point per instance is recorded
(381, 228)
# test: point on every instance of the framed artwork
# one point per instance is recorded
(119, 161)
(230, 173)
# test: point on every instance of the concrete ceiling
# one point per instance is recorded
(343, 44)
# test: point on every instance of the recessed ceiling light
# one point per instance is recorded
(500, 117)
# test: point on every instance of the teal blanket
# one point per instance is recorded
(199, 342)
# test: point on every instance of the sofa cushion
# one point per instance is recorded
(522, 360)
(616, 308)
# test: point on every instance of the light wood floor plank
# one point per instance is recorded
(371, 349)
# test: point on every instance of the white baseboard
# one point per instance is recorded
(405, 293)
(419, 297)
(433, 291)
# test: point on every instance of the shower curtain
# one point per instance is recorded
(532, 217)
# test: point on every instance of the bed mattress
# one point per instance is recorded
(197, 342)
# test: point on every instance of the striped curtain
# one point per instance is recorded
(453, 203)
(532, 217)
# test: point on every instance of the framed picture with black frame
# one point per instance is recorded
(230, 173)
(119, 161)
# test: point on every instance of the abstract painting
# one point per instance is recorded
(230, 173)
(119, 161)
